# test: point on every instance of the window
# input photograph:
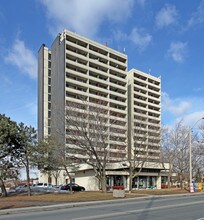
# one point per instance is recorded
(49, 64)
(49, 56)
(49, 97)
(49, 73)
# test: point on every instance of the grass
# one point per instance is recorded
(162, 191)
(17, 201)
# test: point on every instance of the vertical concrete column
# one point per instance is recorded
(138, 182)
(128, 179)
(159, 181)
(111, 180)
(148, 182)
(125, 182)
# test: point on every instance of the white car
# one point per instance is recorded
(49, 185)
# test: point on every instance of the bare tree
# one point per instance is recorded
(168, 153)
(44, 158)
(198, 153)
(175, 151)
(51, 159)
(138, 155)
(56, 174)
(197, 160)
(87, 138)
(142, 151)
(63, 162)
(180, 142)
(89, 131)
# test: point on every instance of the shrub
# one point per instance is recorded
(117, 187)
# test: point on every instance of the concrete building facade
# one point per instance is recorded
(44, 92)
(77, 70)
(83, 71)
(144, 115)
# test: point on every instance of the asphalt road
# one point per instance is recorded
(154, 208)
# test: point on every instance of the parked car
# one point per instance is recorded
(49, 185)
(75, 187)
(12, 189)
(21, 188)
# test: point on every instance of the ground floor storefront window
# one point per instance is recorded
(140, 182)
(164, 180)
(144, 182)
(116, 180)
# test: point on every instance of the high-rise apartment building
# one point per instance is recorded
(79, 72)
(83, 71)
(144, 115)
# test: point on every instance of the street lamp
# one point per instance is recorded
(190, 152)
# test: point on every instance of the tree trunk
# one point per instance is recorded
(103, 182)
(169, 178)
(170, 175)
(55, 180)
(49, 177)
(181, 182)
(3, 189)
(68, 174)
(169, 181)
(28, 176)
(130, 179)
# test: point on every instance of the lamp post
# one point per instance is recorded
(190, 152)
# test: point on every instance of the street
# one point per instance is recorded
(152, 208)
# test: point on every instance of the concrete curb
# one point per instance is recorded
(62, 206)
(77, 204)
